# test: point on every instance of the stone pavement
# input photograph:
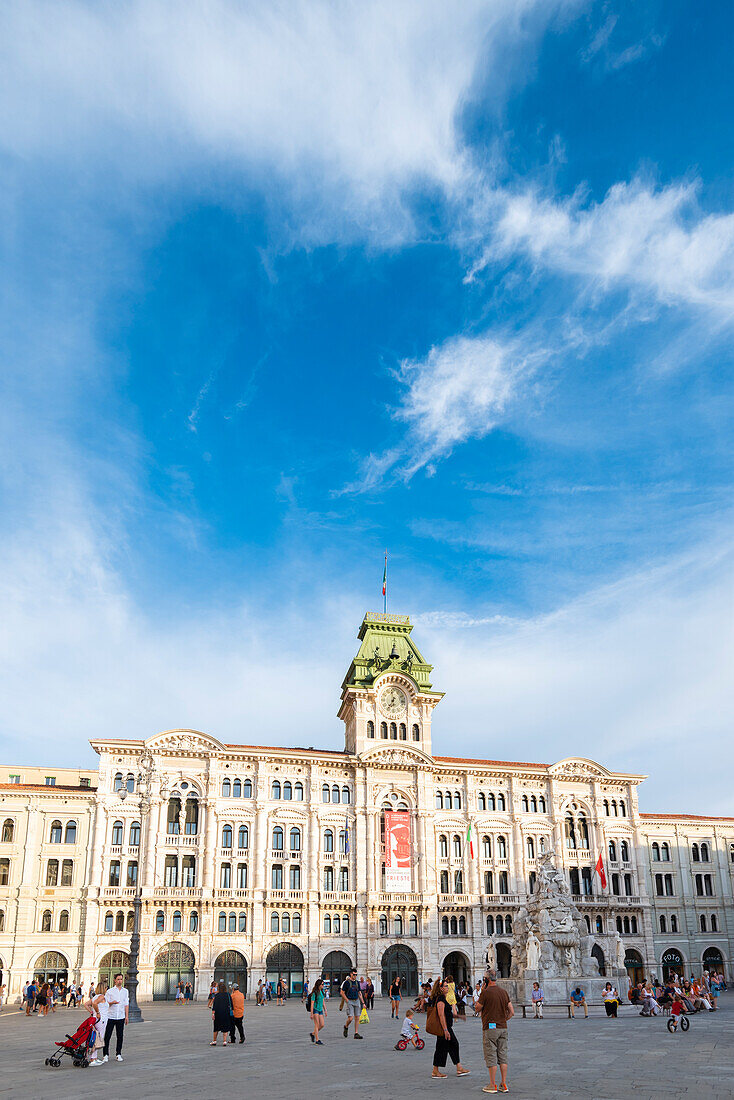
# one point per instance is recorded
(599, 1058)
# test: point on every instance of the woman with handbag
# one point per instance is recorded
(439, 1022)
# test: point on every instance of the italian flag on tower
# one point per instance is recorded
(470, 841)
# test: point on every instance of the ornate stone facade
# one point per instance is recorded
(258, 861)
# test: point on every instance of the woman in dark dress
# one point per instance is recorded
(446, 1044)
(395, 996)
(221, 1013)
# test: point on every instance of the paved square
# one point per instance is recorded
(599, 1058)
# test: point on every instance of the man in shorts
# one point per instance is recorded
(496, 1010)
(353, 1001)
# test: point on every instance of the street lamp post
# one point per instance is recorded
(144, 781)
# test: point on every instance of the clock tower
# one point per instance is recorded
(387, 698)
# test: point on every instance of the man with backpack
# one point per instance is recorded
(354, 1001)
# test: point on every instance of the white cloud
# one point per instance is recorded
(655, 241)
(636, 674)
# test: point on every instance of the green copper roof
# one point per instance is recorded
(380, 635)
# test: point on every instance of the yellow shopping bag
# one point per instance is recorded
(363, 1017)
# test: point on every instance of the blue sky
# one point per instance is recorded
(286, 284)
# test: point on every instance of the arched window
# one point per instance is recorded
(193, 921)
(117, 784)
(55, 835)
(393, 732)
(232, 923)
(458, 882)
(383, 924)
(345, 925)
(694, 853)
(227, 836)
(8, 830)
(481, 801)
(242, 922)
(237, 789)
(531, 882)
(541, 844)
(457, 800)
(277, 839)
(335, 794)
(620, 929)
(288, 791)
(444, 926)
(462, 926)
(655, 852)
(222, 922)
(46, 921)
(298, 791)
(624, 851)
(665, 853)
(704, 852)
(130, 782)
(583, 831)
(346, 799)
(370, 728)
(160, 921)
(531, 848)
(508, 926)
(285, 922)
(243, 837)
(731, 852)
(541, 803)
(120, 921)
(412, 925)
(325, 793)
(714, 923)
(614, 807)
(274, 922)
(622, 808)
(525, 803)
(486, 847)
(70, 833)
(457, 846)
(108, 922)
(501, 847)
(403, 732)
(327, 925)
(447, 801)
(443, 846)
(600, 925)
(444, 882)
(626, 923)
(673, 923)
(247, 789)
(416, 732)
(439, 806)
(488, 882)
(117, 833)
(226, 788)
(606, 806)
(383, 730)
(328, 841)
(343, 842)
(275, 789)
(533, 804)
(570, 831)
(663, 925)
(501, 802)
(134, 837)
(398, 926)
(454, 926)
(702, 922)
(490, 925)
(177, 921)
(295, 839)
(491, 805)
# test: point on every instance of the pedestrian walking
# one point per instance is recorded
(304, 992)
(537, 998)
(611, 999)
(497, 1011)
(352, 1000)
(395, 998)
(281, 993)
(370, 998)
(30, 996)
(212, 994)
(188, 993)
(118, 1014)
(43, 999)
(238, 1013)
(440, 1023)
(318, 1011)
(221, 1014)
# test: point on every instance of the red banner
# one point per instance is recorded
(398, 852)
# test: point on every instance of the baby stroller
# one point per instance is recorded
(77, 1046)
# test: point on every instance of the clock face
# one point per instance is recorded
(392, 702)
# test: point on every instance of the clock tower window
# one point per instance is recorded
(383, 730)
(370, 729)
(403, 732)
(393, 731)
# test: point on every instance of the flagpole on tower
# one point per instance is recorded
(384, 584)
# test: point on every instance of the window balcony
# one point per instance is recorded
(338, 897)
(286, 895)
(455, 899)
(232, 892)
(500, 899)
(177, 840)
(116, 849)
(119, 891)
(176, 891)
(400, 899)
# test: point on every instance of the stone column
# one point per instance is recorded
(371, 854)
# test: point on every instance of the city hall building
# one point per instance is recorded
(256, 863)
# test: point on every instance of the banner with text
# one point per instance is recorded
(398, 853)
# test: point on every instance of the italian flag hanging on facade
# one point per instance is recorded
(470, 841)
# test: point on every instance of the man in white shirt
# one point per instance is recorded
(118, 1014)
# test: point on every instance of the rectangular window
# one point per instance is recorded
(84, 782)
(277, 877)
(132, 873)
(50, 780)
(295, 877)
(114, 879)
(225, 876)
(14, 778)
(67, 872)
